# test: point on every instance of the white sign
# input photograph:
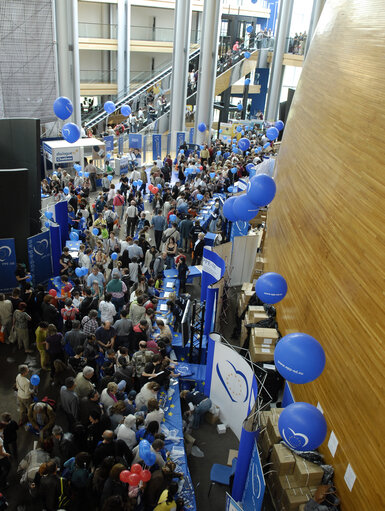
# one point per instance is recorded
(66, 155)
(350, 477)
(233, 385)
(211, 268)
(333, 443)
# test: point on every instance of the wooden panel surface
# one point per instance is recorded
(326, 236)
(96, 43)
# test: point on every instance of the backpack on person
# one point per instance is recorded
(64, 500)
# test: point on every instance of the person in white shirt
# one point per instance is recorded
(24, 392)
(155, 413)
(107, 309)
(126, 431)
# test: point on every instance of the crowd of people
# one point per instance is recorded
(106, 352)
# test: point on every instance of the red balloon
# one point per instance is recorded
(201, 168)
(136, 468)
(93, 205)
(124, 476)
(134, 479)
(155, 189)
(145, 476)
(52, 292)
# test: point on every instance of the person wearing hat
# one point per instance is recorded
(83, 384)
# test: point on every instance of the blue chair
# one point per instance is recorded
(221, 474)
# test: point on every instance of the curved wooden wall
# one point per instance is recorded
(326, 235)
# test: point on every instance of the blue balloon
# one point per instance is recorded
(228, 209)
(110, 178)
(271, 287)
(66, 190)
(302, 426)
(249, 29)
(249, 167)
(125, 110)
(79, 272)
(109, 107)
(173, 218)
(47, 224)
(242, 133)
(279, 125)
(63, 108)
(261, 189)
(299, 358)
(226, 155)
(86, 174)
(236, 150)
(80, 173)
(70, 132)
(149, 458)
(74, 236)
(230, 189)
(140, 182)
(234, 170)
(49, 215)
(243, 144)
(272, 133)
(114, 256)
(239, 129)
(35, 379)
(202, 147)
(77, 167)
(245, 209)
(235, 139)
(95, 231)
(181, 151)
(266, 145)
(84, 271)
(240, 107)
(247, 54)
(219, 153)
(199, 196)
(212, 175)
(108, 156)
(144, 447)
(220, 131)
(254, 1)
(202, 127)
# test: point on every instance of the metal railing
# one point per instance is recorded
(98, 30)
(97, 76)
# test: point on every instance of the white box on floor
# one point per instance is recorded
(221, 429)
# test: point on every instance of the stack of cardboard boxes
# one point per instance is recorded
(244, 296)
(292, 480)
(262, 344)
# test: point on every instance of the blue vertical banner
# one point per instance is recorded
(156, 146)
(255, 484)
(55, 248)
(7, 265)
(168, 143)
(191, 136)
(120, 144)
(239, 228)
(213, 269)
(180, 138)
(144, 150)
(109, 141)
(135, 141)
(61, 218)
(39, 257)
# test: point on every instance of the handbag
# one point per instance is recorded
(12, 336)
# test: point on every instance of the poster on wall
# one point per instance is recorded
(39, 257)
(180, 138)
(255, 484)
(135, 141)
(7, 265)
(109, 141)
(156, 146)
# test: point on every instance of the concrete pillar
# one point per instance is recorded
(180, 63)
(67, 47)
(121, 64)
(207, 69)
(276, 73)
(315, 15)
(128, 45)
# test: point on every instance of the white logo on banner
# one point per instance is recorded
(211, 268)
(41, 247)
(294, 441)
(5, 253)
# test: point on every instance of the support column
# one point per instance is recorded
(226, 98)
(315, 15)
(67, 41)
(207, 69)
(180, 63)
(128, 45)
(276, 68)
(121, 64)
(245, 98)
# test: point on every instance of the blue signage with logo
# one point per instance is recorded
(109, 141)
(135, 141)
(156, 146)
(7, 264)
(255, 484)
(39, 256)
(191, 136)
(120, 144)
(180, 138)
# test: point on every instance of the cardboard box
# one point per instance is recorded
(211, 418)
(261, 353)
(265, 443)
(282, 459)
(255, 309)
(247, 286)
(255, 317)
(272, 429)
(308, 473)
(294, 497)
(265, 336)
(289, 481)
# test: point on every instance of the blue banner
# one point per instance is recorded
(231, 505)
(109, 141)
(156, 146)
(239, 228)
(180, 138)
(168, 142)
(120, 144)
(191, 136)
(39, 257)
(135, 141)
(213, 269)
(7, 265)
(255, 484)
(61, 218)
(55, 248)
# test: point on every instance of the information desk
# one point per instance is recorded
(197, 376)
(74, 247)
(195, 271)
(172, 422)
